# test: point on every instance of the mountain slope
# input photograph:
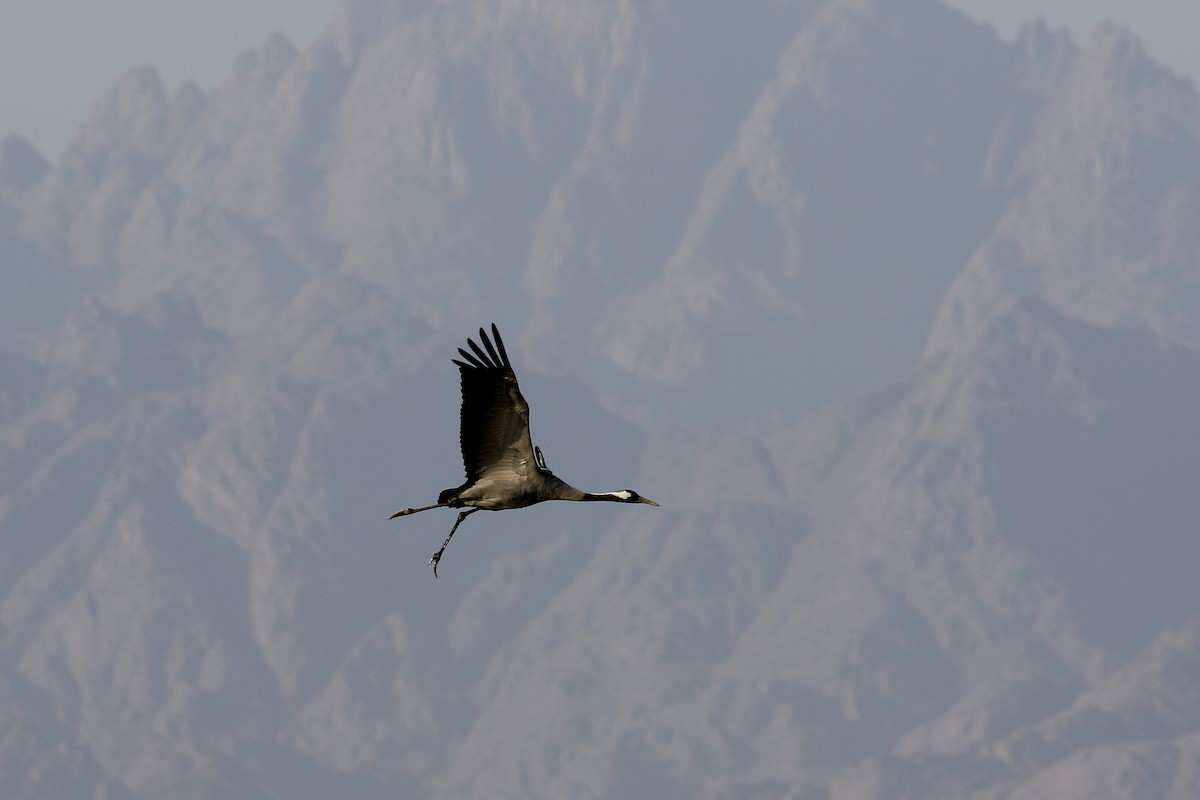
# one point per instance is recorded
(896, 320)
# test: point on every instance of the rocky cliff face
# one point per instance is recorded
(897, 322)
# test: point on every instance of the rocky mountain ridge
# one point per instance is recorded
(896, 320)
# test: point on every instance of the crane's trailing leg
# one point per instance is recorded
(438, 555)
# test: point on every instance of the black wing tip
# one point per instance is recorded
(472, 360)
(487, 357)
(484, 359)
(499, 362)
(500, 346)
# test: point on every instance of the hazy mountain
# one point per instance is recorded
(1100, 225)
(896, 320)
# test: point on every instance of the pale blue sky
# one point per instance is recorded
(57, 57)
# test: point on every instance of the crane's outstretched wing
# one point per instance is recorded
(494, 427)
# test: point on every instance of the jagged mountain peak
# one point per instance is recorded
(1051, 241)
(130, 116)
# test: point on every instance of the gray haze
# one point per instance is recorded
(58, 56)
(896, 319)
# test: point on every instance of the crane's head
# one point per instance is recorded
(630, 496)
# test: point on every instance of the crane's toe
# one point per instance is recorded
(402, 512)
(434, 559)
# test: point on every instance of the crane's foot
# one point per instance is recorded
(438, 555)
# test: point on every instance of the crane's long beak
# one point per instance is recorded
(647, 501)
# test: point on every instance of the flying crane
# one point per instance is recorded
(504, 469)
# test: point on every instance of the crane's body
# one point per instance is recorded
(504, 469)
